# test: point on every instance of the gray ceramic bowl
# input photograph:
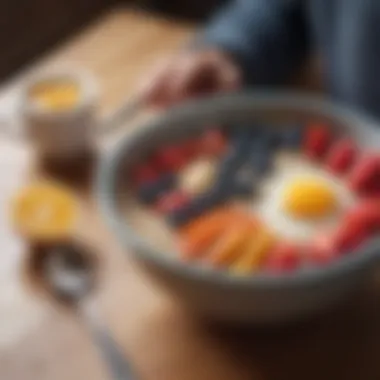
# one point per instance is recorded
(261, 298)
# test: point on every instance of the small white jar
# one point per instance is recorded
(66, 132)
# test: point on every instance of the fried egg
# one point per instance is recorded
(299, 199)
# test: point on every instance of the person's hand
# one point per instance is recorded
(190, 74)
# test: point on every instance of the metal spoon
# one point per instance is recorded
(71, 278)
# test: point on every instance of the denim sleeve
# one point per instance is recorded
(268, 38)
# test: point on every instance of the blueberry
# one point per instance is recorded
(197, 207)
(210, 200)
(264, 163)
(150, 191)
(241, 130)
(227, 167)
(272, 139)
(236, 156)
(268, 135)
(241, 141)
(180, 217)
(260, 157)
(292, 137)
(147, 193)
(227, 173)
(243, 187)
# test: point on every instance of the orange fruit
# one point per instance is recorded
(229, 246)
(45, 211)
(202, 233)
(255, 252)
(199, 235)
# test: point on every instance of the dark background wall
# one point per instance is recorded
(28, 28)
(189, 9)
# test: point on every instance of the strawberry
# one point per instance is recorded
(213, 142)
(317, 140)
(365, 176)
(170, 158)
(144, 173)
(366, 214)
(351, 233)
(322, 250)
(341, 156)
(284, 257)
(191, 147)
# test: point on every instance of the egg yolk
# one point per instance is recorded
(56, 96)
(308, 199)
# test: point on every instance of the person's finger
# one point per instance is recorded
(190, 75)
(229, 77)
(153, 90)
(211, 72)
(181, 84)
(148, 83)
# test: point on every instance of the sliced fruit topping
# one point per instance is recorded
(342, 156)
(317, 141)
(45, 211)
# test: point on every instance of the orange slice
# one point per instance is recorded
(258, 246)
(45, 211)
(200, 234)
(196, 225)
(203, 232)
(229, 246)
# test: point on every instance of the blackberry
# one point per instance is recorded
(149, 192)
(292, 137)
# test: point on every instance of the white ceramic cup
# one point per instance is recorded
(65, 133)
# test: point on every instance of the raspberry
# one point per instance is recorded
(170, 158)
(149, 192)
(317, 141)
(365, 176)
(172, 201)
(322, 250)
(213, 142)
(342, 156)
(283, 258)
(350, 235)
(143, 174)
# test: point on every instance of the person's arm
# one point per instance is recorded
(268, 38)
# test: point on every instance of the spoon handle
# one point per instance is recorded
(117, 364)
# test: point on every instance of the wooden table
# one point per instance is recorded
(161, 340)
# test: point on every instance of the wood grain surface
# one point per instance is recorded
(162, 340)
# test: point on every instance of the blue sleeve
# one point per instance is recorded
(268, 38)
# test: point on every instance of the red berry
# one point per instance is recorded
(172, 201)
(213, 142)
(317, 141)
(350, 235)
(341, 156)
(365, 176)
(191, 147)
(366, 214)
(143, 174)
(322, 250)
(283, 258)
(170, 158)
